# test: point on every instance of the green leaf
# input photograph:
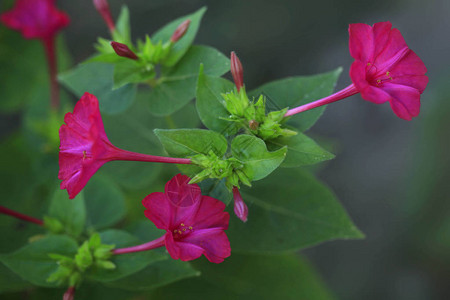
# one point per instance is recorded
(176, 87)
(126, 264)
(129, 71)
(302, 150)
(217, 189)
(181, 47)
(258, 277)
(253, 152)
(133, 131)
(156, 275)
(289, 211)
(11, 282)
(122, 34)
(209, 102)
(189, 142)
(105, 203)
(294, 91)
(71, 213)
(33, 263)
(97, 79)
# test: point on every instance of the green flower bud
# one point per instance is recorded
(53, 225)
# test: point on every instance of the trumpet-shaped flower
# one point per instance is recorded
(194, 223)
(85, 147)
(384, 70)
(35, 19)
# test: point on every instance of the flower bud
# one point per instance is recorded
(69, 294)
(180, 31)
(123, 50)
(240, 208)
(102, 7)
(237, 71)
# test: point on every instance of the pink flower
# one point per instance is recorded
(237, 71)
(35, 19)
(240, 208)
(194, 223)
(85, 147)
(180, 31)
(384, 70)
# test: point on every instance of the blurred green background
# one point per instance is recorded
(391, 175)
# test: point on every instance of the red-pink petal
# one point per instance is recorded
(405, 100)
(210, 213)
(180, 250)
(361, 43)
(213, 241)
(159, 209)
(394, 45)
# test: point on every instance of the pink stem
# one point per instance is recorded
(18, 215)
(133, 156)
(144, 247)
(347, 92)
(49, 46)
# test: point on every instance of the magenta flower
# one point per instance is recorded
(102, 7)
(384, 70)
(39, 19)
(240, 208)
(35, 19)
(194, 223)
(85, 147)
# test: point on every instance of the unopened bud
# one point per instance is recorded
(237, 71)
(123, 50)
(180, 31)
(253, 124)
(102, 7)
(240, 208)
(69, 294)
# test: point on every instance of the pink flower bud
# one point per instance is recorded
(69, 294)
(237, 71)
(240, 208)
(123, 50)
(102, 7)
(180, 31)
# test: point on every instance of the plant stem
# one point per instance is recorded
(144, 247)
(346, 92)
(20, 216)
(49, 46)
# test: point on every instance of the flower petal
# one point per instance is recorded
(361, 43)
(159, 210)
(213, 241)
(395, 45)
(210, 213)
(180, 250)
(405, 100)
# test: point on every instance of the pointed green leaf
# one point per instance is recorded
(122, 34)
(33, 263)
(70, 212)
(209, 102)
(289, 211)
(189, 142)
(176, 87)
(255, 277)
(294, 91)
(105, 202)
(253, 152)
(97, 79)
(180, 47)
(302, 150)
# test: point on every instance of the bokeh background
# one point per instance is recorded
(391, 175)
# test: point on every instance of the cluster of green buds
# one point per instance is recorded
(92, 253)
(134, 64)
(217, 167)
(251, 114)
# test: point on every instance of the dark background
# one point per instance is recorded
(392, 175)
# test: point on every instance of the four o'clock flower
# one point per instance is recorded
(39, 19)
(237, 71)
(384, 70)
(180, 31)
(85, 147)
(240, 208)
(194, 223)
